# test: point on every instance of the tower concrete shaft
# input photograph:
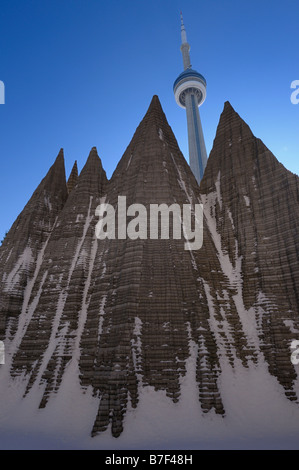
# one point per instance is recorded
(190, 92)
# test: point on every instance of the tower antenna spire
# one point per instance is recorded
(190, 92)
(183, 30)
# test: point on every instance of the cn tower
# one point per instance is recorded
(190, 93)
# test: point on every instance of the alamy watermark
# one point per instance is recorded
(2, 353)
(2, 93)
(295, 93)
(295, 353)
(186, 222)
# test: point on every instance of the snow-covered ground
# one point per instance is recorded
(257, 413)
(258, 416)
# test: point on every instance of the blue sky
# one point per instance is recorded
(81, 73)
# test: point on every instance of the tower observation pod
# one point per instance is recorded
(190, 92)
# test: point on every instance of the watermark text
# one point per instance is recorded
(295, 353)
(151, 223)
(2, 353)
(2, 93)
(295, 93)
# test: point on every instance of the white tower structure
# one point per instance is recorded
(190, 92)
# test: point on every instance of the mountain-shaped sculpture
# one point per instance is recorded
(120, 315)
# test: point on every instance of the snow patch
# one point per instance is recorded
(129, 162)
(21, 266)
(137, 348)
(291, 326)
(247, 201)
(47, 201)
